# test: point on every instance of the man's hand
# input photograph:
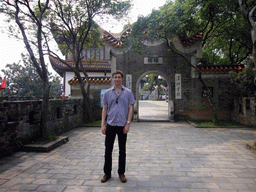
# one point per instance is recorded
(103, 118)
(103, 129)
(126, 128)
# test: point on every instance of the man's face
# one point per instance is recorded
(118, 79)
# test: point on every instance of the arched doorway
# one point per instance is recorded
(153, 103)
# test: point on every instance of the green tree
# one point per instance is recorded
(154, 83)
(28, 16)
(244, 81)
(226, 33)
(73, 26)
(248, 8)
(221, 45)
(56, 86)
(23, 80)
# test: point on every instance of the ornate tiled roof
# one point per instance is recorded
(220, 68)
(189, 41)
(101, 80)
(95, 66)
(116, 38)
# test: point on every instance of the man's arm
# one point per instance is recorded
(130, 112)
(127, 125)
(103, 118)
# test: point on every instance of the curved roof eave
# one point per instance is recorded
(96, 66)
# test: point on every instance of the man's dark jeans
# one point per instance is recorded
(111, 132)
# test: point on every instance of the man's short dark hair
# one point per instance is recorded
(118, 72)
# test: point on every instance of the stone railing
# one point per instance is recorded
(17, 98)
(20, 120)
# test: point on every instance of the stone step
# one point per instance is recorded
(46, 147)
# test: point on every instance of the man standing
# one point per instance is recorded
(118, 108)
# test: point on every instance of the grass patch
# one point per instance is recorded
(94, 123)
(209, 123)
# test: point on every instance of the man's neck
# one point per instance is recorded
(119, 87)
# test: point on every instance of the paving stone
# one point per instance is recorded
(78, 189)
(241, 180)
(222, 190)
(24, 187)
(204, 186)
(55, 188)
(63, 176)
(233, 186)
(167, 189)
(193, 190)
(172, 157)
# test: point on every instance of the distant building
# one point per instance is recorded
(184, 93)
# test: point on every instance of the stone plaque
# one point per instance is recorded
(129, 81)
(178, 86)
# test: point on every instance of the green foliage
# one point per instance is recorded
(56, 86)
(171, 18)
(245, 81)
(227, 35)
(73, 26)
(23, 80)
(153, 82)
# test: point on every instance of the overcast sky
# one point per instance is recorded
(11, 49)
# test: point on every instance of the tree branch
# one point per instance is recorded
(25, 39)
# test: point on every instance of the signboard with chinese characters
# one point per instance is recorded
(177, 86)
(129, 81)
(153, 60)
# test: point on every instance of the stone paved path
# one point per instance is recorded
(153, 110)
(161, 157)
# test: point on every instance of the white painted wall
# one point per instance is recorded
(70, 75)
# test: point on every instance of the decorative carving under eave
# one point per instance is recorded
(221, 68)
(96, 80)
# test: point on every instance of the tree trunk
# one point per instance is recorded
(248, 15)
(254, 44)
(42, 71)
(87, 112)
(253, 23)
(44, 132)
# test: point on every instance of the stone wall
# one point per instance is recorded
(192, 104)
(196, 106)
(21, 119)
